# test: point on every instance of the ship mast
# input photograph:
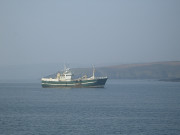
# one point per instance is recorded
(93, 72)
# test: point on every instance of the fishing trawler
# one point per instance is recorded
(66, 80)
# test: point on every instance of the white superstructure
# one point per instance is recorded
(66, 76)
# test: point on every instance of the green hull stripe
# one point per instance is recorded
(74, 83)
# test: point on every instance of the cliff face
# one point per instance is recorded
(144, 71)
(156, 70)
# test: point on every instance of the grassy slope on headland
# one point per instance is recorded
(156, 70)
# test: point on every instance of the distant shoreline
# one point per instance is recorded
(171, 80)
(163, 71)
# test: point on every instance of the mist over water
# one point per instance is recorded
(38, 37)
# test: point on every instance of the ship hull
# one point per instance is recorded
(91, 83)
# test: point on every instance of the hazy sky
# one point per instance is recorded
(93, 31)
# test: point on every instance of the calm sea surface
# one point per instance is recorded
(127, 107)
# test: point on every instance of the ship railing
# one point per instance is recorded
(96, 78)
(49, 79)
(101, 77)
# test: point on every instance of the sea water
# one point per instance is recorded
(127, 107)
